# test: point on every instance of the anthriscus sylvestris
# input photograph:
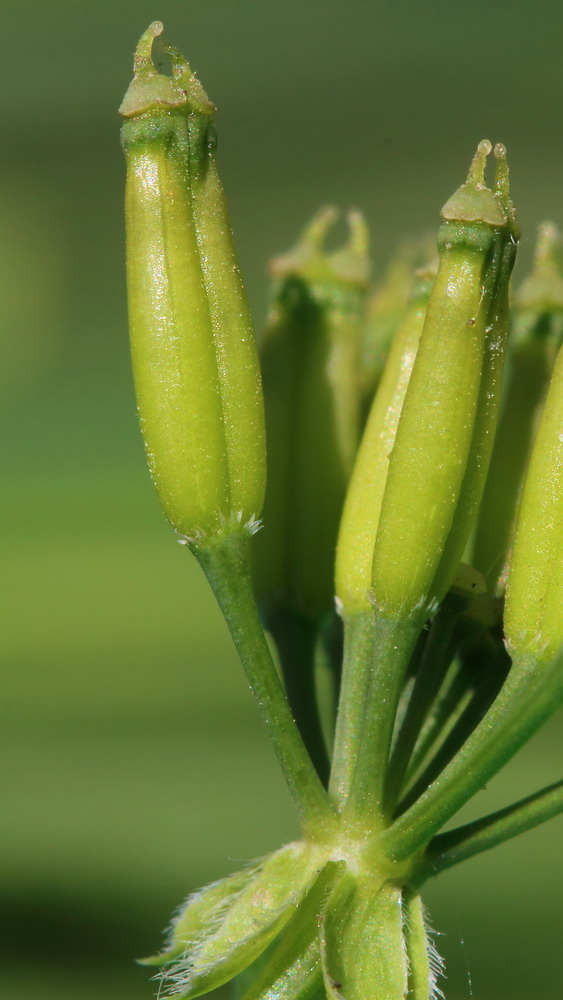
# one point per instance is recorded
(337, 913)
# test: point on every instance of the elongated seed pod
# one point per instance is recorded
(534, 596)
(194, 358)
(310, 363)
(358, 526)
(435, 436)
(490, 389)
(538, 327)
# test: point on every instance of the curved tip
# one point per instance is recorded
(356, 250)
(351, 263)
(476, 174)
(142, 60)
(316, 231)
(502, 181)
(180, 65)
(150, 89)
(358, 241)
(502, 190)
(310, 259)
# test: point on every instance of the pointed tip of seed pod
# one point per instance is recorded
(502, 189)
(317, 229)
(476, 174)
(309, 258)
(150, 90)
(142, 59)
(502, 179)
(358, 240)
(156, 28)
(351, 263)
(309, 247)
(474, 201)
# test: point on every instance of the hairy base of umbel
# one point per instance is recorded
(306, 921)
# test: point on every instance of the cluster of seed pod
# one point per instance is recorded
(412, 539)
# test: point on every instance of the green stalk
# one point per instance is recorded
(469, 718)
(406, 693)
(359, 638)
(431, 673)
(466, 841)
(328, 674)
(395, 641)
(225, 562)
(532, 692)
(296, 639)
(445, 712)
(330, 649)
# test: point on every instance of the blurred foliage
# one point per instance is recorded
(134, 767)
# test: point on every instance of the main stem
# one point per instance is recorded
(394, 642)
(225, 561)
(359, 637)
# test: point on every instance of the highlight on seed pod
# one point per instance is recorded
(385, 310)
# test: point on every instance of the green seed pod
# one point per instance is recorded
(310, 361)
(194, 358)
(534, 597)
(537, 330)
(440, 455)
(360, 517)
(490, 389)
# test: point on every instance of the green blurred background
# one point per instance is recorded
(134, 767)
